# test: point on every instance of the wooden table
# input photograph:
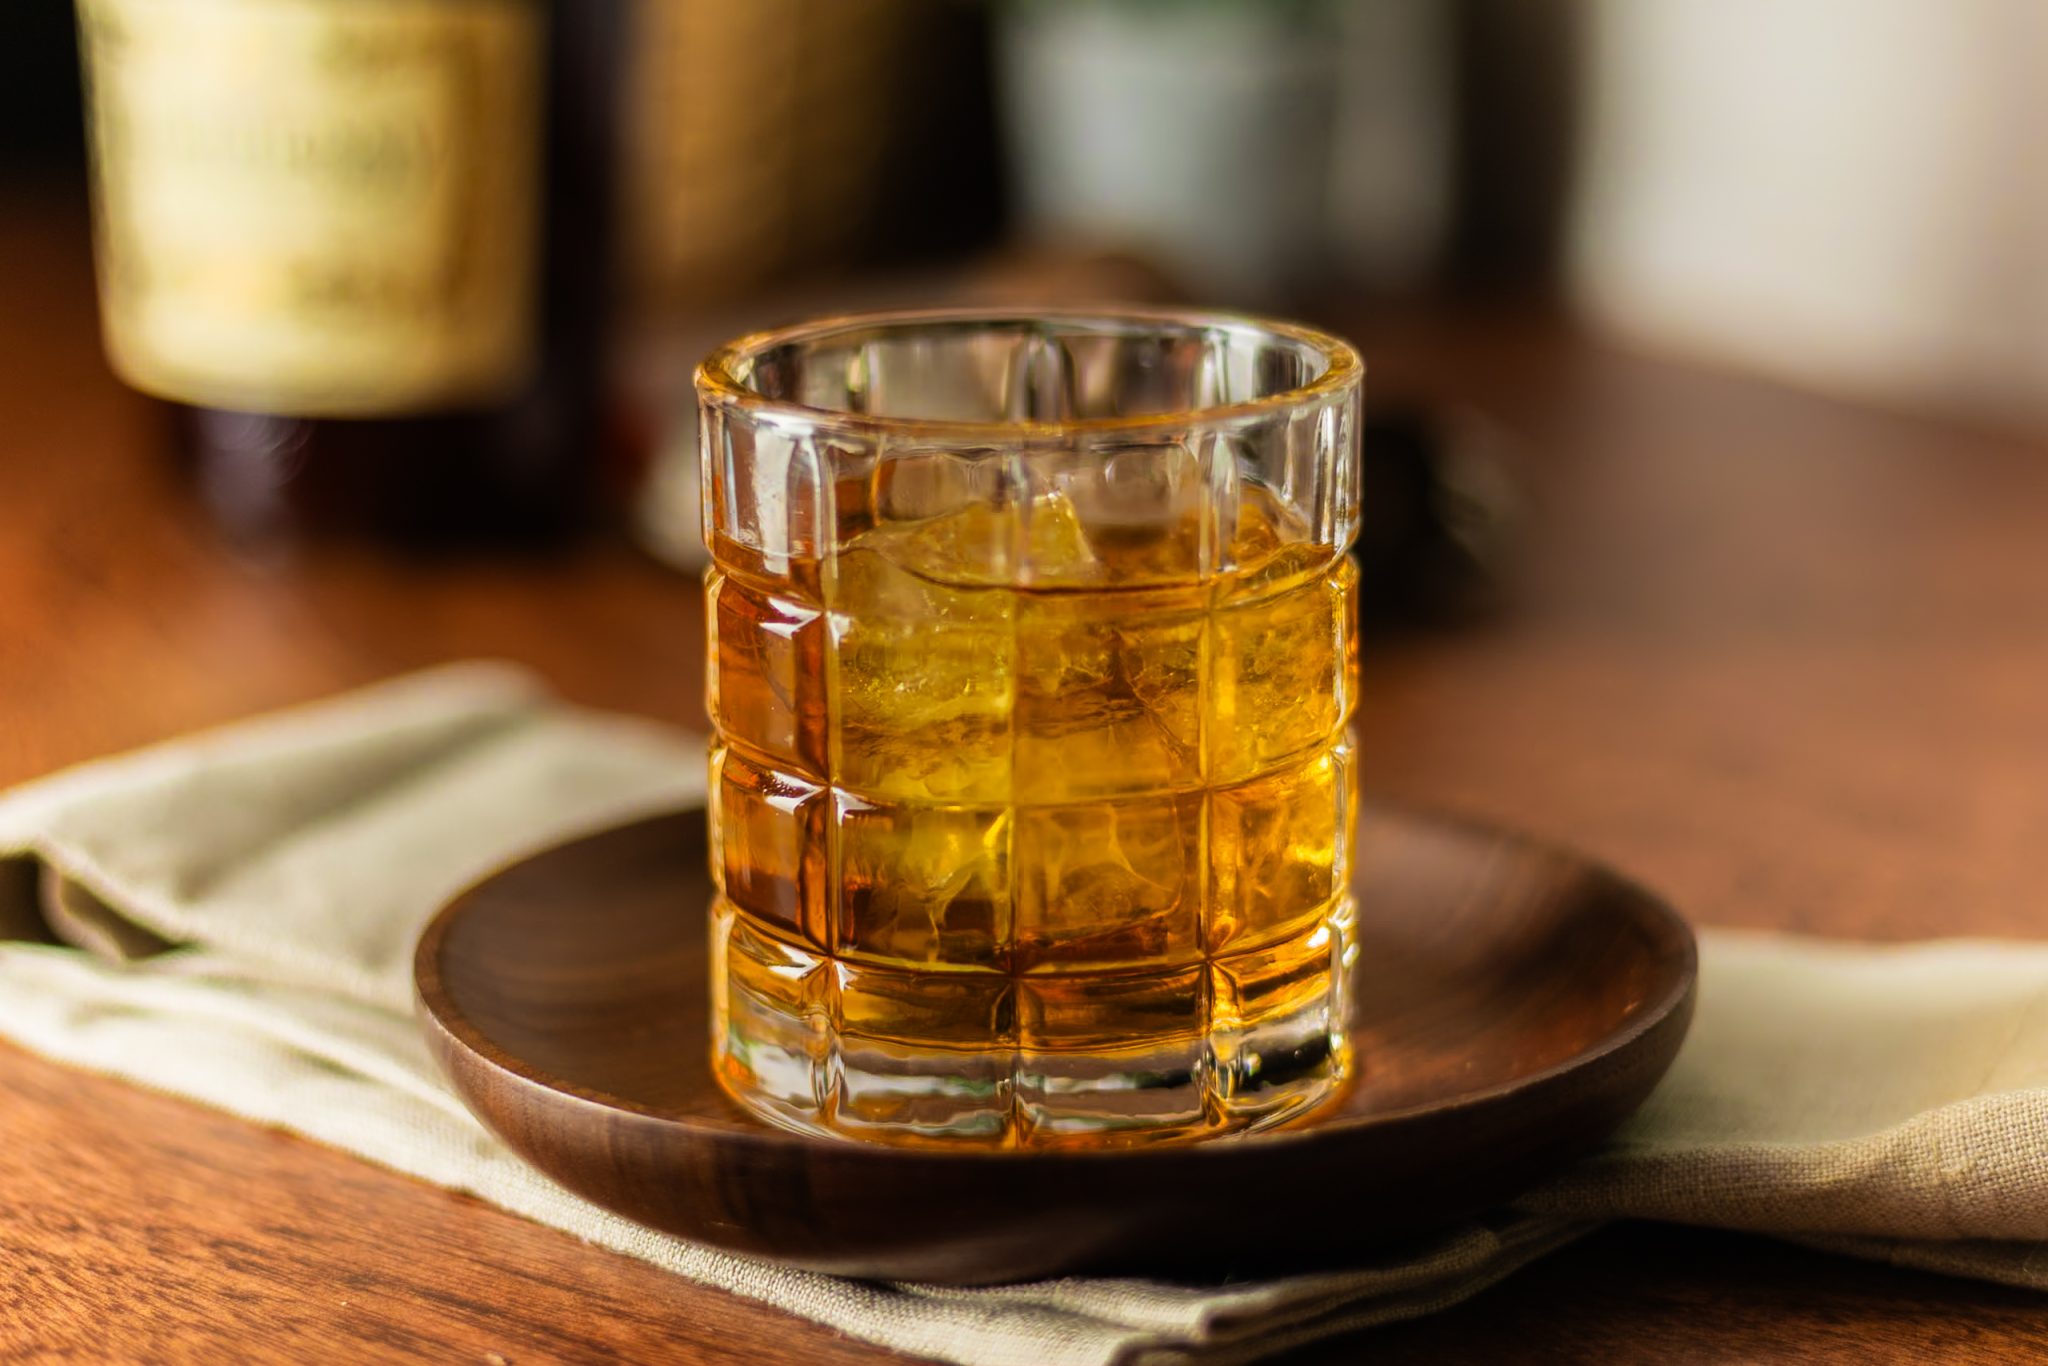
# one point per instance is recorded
(1785, 659)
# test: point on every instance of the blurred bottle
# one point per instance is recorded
(755, 140)
(771, 152)
(361, 247)
(1395, 142)
(1197, 135)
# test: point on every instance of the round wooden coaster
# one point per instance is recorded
(1512, 1003)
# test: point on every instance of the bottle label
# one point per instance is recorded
(325, 208)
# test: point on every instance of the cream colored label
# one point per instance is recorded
(317, 207)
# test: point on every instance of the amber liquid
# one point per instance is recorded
(1022, 867)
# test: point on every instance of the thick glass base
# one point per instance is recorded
(988, 1060)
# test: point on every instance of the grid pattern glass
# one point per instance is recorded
(1032, 657)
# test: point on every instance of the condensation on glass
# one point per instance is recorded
(1032, 656)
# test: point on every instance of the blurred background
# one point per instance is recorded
(1837, 192)
(1705, 499)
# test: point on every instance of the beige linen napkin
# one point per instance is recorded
(237, 912)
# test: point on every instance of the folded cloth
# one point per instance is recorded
(230, 917)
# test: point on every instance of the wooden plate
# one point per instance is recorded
(1513, 1004)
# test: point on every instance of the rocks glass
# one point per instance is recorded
(1032, 657)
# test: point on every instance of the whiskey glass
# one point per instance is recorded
(1032, 656)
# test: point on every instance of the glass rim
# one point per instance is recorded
(718, 379)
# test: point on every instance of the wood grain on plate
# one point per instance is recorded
(1511, 1004)
(1779, 657)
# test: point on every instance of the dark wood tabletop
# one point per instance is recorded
(1783, 658)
